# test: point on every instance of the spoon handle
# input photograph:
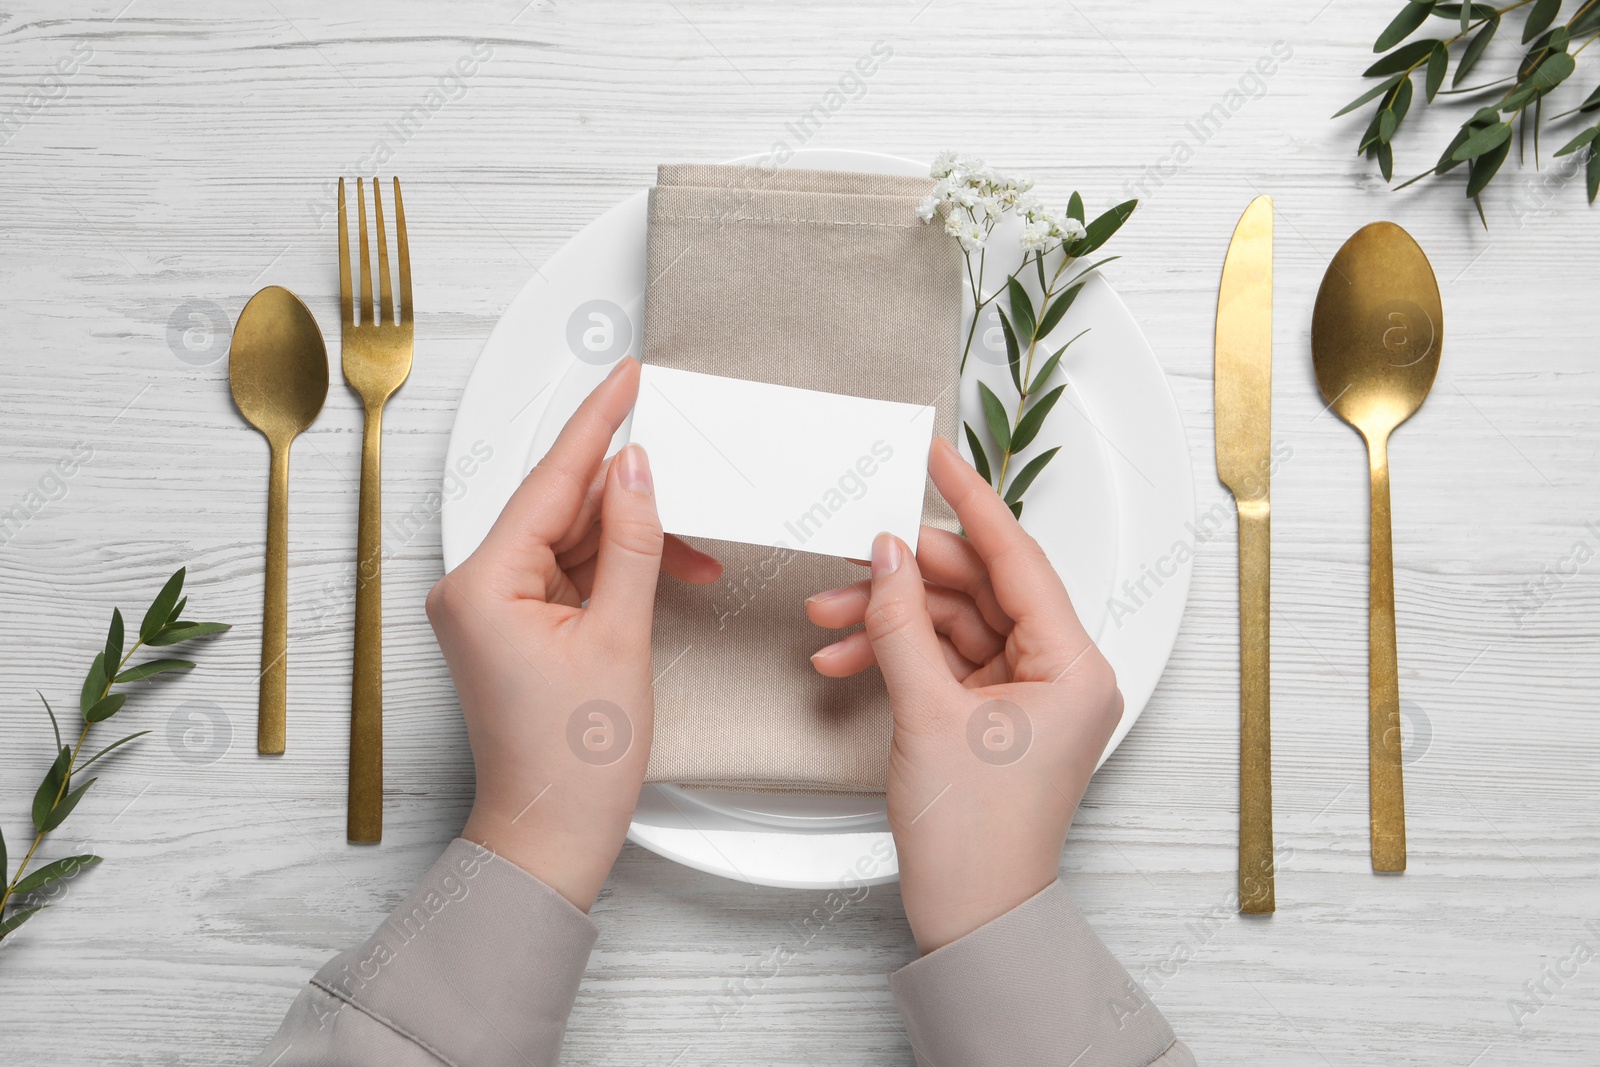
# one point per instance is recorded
(270, 713)
(1384, 769)
(365, 817)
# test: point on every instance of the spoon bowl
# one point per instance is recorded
(1377, 330)
(1376, 335)
(278, 365)
(278, 372)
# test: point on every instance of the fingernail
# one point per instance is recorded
(634, 469)
(825, 651)
(885, 555)
(826, 594)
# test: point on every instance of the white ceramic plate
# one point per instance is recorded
(1112, 511)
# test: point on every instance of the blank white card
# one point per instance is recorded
(771, 465)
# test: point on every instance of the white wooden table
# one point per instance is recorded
(185, 162)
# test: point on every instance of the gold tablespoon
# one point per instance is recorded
(278, 369)
(1375, 341)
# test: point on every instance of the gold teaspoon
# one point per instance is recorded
(278, 370)
(1376, 335)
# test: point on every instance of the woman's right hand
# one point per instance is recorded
(1002, 705)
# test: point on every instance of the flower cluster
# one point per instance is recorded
(973, 197)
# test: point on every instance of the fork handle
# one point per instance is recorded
(1385, 774)
(365, 820)
(271, 710)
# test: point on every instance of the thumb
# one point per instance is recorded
(898, 624)
(629, 556)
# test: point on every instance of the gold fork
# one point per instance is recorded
(377, 359)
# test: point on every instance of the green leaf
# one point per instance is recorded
(185, 631)
(1474, 50)
(994, 413)
(18, 917)
(44, 798)
(1483, 141)
(1371, 138)
(1592, 174)
(1046, 371)
(1016, 510)
(160, 611)
(106, 708)
(1579, 141)
(1386, 161)
(1556, 68)
(1100, 230)
(1402, 59)
(1592, 101)
(1370, 95)
(53, 724)
(1058, 309)
(94, 684)
(1387, 124)
(1448, 161)
(1025, 477)
(177, 611)
(1021, 309)
(1484, 168)
(59, 813)
(1013, 352)
(1054, 361)
(1411, 16)
(112, 747)
(1068, 296)
(1075, 207)
(53, 872)
(980, 459)
(114, 639)
(1033, 419)
(153, 667)
(1464, 13)
(1084, 272)
(1586, 22)
(1438, 66)
(1540, 16)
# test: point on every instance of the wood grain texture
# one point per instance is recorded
(186, 163)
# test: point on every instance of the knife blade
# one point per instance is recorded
(1243, 396)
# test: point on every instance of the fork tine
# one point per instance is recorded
(404, 255)
(385, 300)
(366, 262)
(346, 306)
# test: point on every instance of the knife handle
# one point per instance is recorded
(1256, 863)
(1385, 773)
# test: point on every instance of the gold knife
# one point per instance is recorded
(1243, 377)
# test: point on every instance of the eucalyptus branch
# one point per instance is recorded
(971, 200)
(1484, 141)
(57, 796)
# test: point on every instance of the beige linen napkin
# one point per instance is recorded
(819, 280)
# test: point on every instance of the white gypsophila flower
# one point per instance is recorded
(926, 208)
(993, 207)
(1039, 237)
(965, 229)
(1071, 229)
(967, 197)
(1028, 205)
